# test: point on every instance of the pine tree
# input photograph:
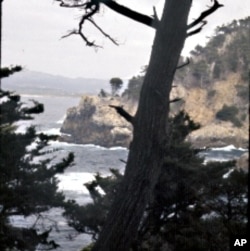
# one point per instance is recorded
(187, 212)
(27, 183)
(116, 85)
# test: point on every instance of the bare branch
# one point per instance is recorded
(123, 113)
(91, 7)
(136, 16)
(73, 32)
(74, 5)
(85, 39)
(155, 16)
(183, 65)
(204, 14)
(103, 32)
(191, 33)
(175, 100)
(123, 161)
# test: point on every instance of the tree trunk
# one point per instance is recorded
(147, 149)
(1, 1)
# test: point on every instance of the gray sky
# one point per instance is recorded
(32, 32)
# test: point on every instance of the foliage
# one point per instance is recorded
(134, 87)
(211, 94)
(116, 85)
(213, 61)
(198, 213)
(201, 72)
(217, 71)
(102, 94)
(190, 205)
(229, 113)
(88, 248)
(7, 71)
(243, 92)
(228, 49)
(27, 184)
(90, 218)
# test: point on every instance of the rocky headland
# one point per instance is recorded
(213, 89)
(93, 121)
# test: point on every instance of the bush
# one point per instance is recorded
(243, 92)
(211, 94)
(88, 248)
(229, 113)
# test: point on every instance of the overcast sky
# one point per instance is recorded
(32, 31)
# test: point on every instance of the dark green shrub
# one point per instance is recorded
(211, 94)
(229, 113)
(243, 116)
(217, 69)
(200, 69)
(243, 92)
(88, 248)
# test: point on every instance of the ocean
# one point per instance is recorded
(89, 159)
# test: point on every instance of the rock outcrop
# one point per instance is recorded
(203, 108)
(243, 162)
(94, 122)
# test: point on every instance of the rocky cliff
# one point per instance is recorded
(203, 106)
(93, 121)
(214, 91)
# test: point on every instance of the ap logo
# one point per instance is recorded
(240, 242)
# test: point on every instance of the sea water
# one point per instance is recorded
(89, 159)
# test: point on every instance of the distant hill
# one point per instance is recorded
(32, 82)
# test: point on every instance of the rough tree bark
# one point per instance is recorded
(149, 138)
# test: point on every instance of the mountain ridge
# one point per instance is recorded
(34, 82)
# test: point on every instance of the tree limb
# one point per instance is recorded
(206, 13)
(123, 161)
(91, 7)
(191, 33)
(155, 16)
(175, 100)
(74, 5)
(123, 113)
(103, 32)
(183, 65)
(134, 15)
(77, 32)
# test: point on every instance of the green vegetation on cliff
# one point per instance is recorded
(227, 51)
(221, 69)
